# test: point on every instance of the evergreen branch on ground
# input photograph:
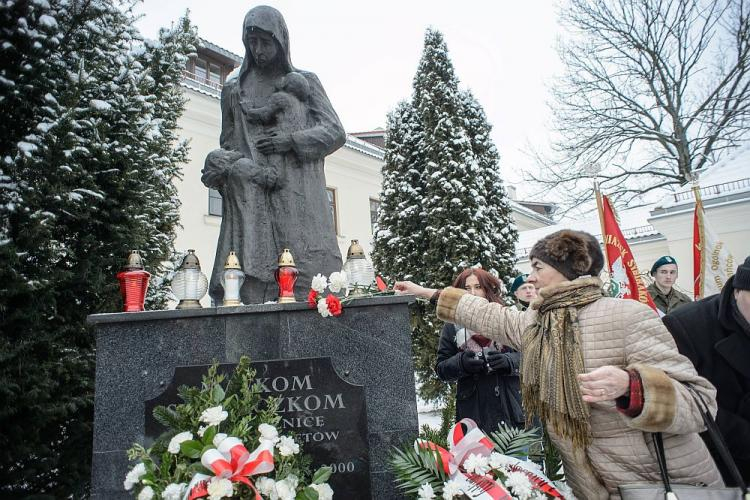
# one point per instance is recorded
(514, 442)
(414, 468)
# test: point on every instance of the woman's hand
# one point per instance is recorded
(274, 143)
(604, 384)
(409, 288)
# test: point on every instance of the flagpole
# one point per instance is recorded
(600, 209)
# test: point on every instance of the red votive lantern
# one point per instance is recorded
(286, 276)
(133, 283)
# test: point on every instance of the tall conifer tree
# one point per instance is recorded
(88, 155)
(443, 204)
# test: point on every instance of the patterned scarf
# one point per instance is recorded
(553, 357)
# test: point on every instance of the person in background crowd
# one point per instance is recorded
(603, 374)
(666, 297)
(523, 292)
(488, 389)
(715, 334)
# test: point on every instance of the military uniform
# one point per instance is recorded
(669, 302)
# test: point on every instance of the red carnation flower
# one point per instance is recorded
(312, 298)
(334, 305)
(381, 284)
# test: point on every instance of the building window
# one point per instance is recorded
(331, 192)
(214, 75)
(214, 202)
(374, 209)
(201, 73)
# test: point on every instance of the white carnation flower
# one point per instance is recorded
(338, 281)
(498, 461)
(286, 489)
(219, 488)
(319, 283)
(174, 491)
(268, 433)
(266, 485)
(218, 438)
(146, 493)
(451, 489)
(174, 443)
(324, 491)
(287, 447)
(134, 476)
(564, 489)
(214, 415)
(323, 308)
(520, 484)
(426, 492)
(477, 464)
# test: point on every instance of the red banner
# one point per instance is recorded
(622, 267)
(697, 251)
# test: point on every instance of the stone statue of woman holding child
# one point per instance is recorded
(277, 127)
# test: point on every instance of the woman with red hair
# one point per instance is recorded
(488, 389)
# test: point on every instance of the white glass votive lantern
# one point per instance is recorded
(189, 284)
(358, 269)
(232, 280)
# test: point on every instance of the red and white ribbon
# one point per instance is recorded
(465, 439)
(231, 460)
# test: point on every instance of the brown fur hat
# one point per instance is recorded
(572, 253)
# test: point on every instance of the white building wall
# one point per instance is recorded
(730, 221)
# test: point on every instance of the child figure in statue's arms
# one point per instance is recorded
(284, 105)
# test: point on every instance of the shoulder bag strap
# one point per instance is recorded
(661, 459)
(718, 440)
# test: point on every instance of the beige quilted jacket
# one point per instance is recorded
(626, 334)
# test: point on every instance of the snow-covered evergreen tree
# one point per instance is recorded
(88, 153)
(443, 204)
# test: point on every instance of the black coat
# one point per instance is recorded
(486, 398)
(709, 334)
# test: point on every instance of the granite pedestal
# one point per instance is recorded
(137, 353)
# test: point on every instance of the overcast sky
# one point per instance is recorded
(366, 55)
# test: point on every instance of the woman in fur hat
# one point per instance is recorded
(602, 373)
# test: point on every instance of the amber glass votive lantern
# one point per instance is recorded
(286, 276)
(133, 283)
(232, 279)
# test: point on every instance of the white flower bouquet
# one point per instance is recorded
(222, 442)
(474, 466)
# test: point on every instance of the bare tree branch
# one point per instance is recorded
(653, 90)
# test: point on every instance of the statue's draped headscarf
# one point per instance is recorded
(270, 20)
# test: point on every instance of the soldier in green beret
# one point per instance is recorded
(666, 297)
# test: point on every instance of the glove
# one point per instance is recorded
(470, 363)
(498, 362)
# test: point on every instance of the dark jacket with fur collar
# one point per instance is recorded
(709, 334)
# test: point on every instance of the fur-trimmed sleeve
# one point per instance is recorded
(503, 324)
(668, 406)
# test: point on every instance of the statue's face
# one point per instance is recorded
(263, 47)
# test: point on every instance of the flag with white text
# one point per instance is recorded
(625, 277)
